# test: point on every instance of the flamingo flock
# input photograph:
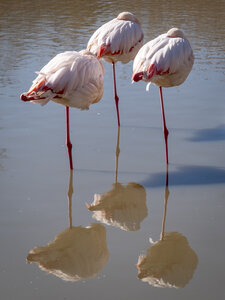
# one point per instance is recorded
(76, 79)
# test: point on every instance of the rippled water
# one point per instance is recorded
(122, 175)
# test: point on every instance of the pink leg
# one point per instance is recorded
(68, 142)
(166, 197)
(115, 95)
(165, 130)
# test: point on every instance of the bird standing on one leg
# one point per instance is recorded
(117, 40)
(73, 79)
(166, 61)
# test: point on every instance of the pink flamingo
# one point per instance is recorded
(117, 40)
(166, 61)
(73, 79)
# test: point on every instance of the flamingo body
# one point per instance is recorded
(74, 79)
(117, 40)
(166, 61)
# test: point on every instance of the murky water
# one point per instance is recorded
(106, 253)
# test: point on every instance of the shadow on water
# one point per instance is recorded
(209, 134)
(188, 175)
(170, 261)
(2, 155)
(77, 253)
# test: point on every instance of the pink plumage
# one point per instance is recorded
(166, 61)
(73, 79)
(117, 40)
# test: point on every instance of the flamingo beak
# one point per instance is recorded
(24, 97)
(137, 77)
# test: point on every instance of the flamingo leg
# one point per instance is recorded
(68, 142)
(117, 153)
(69, 197)
(166, 196)
(165, 130)
(115, 94)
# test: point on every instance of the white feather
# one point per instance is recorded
(147, 86)
(70, 78)
(171, 57)
(121, 36)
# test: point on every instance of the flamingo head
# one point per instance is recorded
(127, 16)
(175, 32)
(137, 76)
(24, 98)
(86, 52)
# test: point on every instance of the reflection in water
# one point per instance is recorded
(170, 262)
(76, 253)
(122, 206)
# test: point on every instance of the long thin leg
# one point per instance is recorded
(165, 130)
(166, 196)
(115, 94)
(68, 142)
(69, 197)
(117, 153)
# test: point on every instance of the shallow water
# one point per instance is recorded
(34, 169)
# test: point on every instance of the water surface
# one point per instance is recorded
(135, 202)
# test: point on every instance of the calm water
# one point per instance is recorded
(107, 253)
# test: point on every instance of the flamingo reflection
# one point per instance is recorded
(123, 206)
(170, 262)
(76, 253)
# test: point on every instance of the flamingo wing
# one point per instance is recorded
(66, 77)
(87, 82)
(51, 79)
(163, 56)
(117, 37)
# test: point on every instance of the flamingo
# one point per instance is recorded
(75, 254)
(166, 61)
(73, 79)
(124, 205)
(117, 40)
(170, 261)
